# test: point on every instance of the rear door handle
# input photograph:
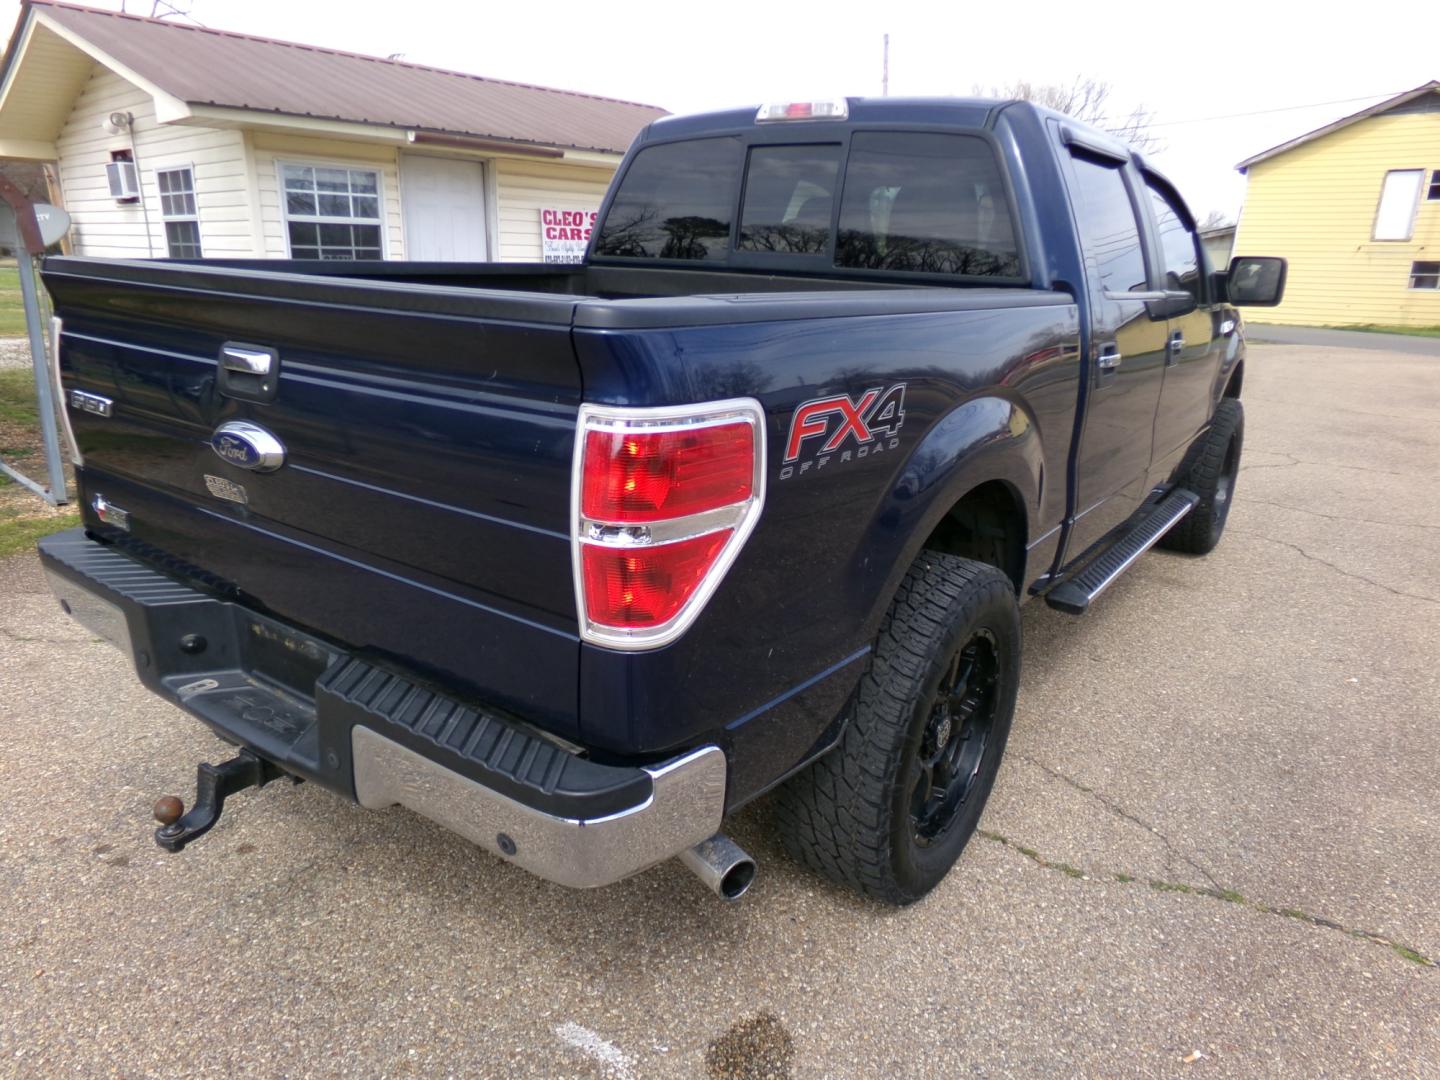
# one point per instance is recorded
(1177, 342)
(1109, 358)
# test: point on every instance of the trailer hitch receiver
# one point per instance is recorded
(213, 783)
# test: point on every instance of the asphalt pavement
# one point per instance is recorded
(1213, 850)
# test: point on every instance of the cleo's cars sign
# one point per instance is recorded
(564, 234)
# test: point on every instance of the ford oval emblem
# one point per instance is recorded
(248, 446)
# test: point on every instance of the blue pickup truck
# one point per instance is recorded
(577, 560)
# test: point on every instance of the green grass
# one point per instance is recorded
(12, 313)
(17, 397)
(24, 519)
(1412, 331)
(19, 534)
(1367, 328)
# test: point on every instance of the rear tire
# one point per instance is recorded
(1210, 470)
(889, 810)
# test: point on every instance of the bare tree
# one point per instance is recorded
(1216, 219)
(1088, 100)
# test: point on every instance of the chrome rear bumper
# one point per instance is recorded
(686, 807)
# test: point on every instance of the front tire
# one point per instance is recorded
(1210, 470)
(889, 810)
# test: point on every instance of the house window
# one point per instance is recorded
(177, 208)
(1398, 198)
(1433, 195)
(332, 212)
(1425, 275)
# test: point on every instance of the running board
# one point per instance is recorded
(1073, 595)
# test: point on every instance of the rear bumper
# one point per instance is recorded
(382, 737)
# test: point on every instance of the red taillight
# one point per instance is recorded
(664, 499)
(636, 476)
(647, 586)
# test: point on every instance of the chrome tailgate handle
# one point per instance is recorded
(247, 361)
(248, 372)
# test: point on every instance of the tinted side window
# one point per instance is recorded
(931, 204)
(789, 193)
(1182, 263)
(676, 202)
(1108, 231)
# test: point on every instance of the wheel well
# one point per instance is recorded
(987, 525)
(1232, 388)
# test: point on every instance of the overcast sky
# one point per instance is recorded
(1315, 61)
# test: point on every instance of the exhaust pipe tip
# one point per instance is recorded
(722, 865)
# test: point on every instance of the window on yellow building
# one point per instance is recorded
(1434, 193)
(1398, 199)
(1425, 275)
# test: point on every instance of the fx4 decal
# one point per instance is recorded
(873, 423)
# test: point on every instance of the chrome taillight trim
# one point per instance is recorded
(741, 517)
(62, 403)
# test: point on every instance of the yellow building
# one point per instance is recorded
(1355, 208)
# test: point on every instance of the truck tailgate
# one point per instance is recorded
(421, 511)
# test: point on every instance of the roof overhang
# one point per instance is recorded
(1431, 87)
(46, 67)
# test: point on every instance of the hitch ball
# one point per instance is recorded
(168, 809)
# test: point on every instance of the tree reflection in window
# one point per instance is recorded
(676, 201)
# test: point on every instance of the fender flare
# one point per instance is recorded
(986, 439)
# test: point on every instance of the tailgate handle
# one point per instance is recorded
(247, 361)
(248, 372)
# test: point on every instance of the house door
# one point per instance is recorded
(444, 205)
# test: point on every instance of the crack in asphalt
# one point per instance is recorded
(1339, 569)
(1338, 517)
(1318, 464)
(1229, 896)
(1120, 812)
(24, 640)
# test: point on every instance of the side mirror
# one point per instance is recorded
(1256, 281)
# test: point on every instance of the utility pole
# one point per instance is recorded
(885, 70)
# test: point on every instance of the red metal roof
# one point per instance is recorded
(201, 66)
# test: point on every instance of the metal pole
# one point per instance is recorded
(885, 70)
(34, 323)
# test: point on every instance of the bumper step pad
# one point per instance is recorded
(294, 699)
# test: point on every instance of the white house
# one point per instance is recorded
(172, 139)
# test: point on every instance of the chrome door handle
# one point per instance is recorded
(1177, 341)
(1109, 358)
(246, 361)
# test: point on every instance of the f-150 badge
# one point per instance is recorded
(821, 428)
(248, 445)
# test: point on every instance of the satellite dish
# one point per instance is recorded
(54, 223)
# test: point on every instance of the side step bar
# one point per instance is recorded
(1074, 594)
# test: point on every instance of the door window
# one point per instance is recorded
(1178, 246)
(1109, 232)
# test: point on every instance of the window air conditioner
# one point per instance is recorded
(124, 184)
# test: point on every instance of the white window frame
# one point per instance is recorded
(378, 168)
(166, 218)
(1392, 203)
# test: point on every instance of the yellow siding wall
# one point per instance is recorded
(111, 229)
(1315, 205)
(527, 187)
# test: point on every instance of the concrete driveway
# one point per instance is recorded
(1214, 848)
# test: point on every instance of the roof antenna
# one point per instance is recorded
(885, 70)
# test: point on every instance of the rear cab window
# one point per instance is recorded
(879, 202)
